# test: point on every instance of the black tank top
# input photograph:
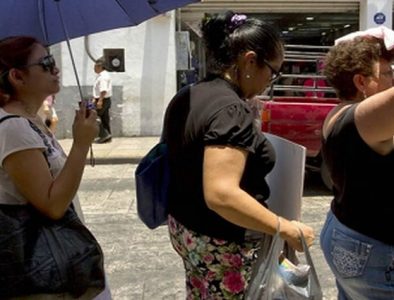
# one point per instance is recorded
(363, 181)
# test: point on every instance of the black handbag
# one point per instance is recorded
(39, 255)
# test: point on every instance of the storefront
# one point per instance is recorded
(305, 22)
(316, 28)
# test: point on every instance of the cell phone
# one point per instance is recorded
(89, 106)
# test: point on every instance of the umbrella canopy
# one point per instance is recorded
(54, 21)
(41, 19)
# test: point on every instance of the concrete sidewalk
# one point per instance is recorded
(121, 150)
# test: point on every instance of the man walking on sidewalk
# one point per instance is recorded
(102, 93)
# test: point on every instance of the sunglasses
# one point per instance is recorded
(274, 73)
(48, 63)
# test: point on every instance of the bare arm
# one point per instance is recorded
(374, 119)
(100, 101)
(222, 172)
(30, 173)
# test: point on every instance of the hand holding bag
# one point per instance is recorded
(271, 281)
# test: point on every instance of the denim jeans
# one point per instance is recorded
(363, 267)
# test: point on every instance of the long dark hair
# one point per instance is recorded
(14, 53)
(227, 35)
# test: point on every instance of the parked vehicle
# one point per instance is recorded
(296, 105)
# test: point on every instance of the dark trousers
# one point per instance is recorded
(103, 114)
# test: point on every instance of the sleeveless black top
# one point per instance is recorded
(363, 181)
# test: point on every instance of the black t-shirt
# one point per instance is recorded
(211, 113)
(363, 181)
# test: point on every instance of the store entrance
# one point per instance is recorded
(318, 29)
(314, 29)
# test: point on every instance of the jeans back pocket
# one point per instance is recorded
(349, 255)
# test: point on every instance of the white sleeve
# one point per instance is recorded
(16, 135)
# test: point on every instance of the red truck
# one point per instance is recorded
(296, 105)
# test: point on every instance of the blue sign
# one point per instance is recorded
(379, 18)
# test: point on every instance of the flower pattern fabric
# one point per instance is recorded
(215, 269)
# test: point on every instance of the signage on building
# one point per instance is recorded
(379, 18)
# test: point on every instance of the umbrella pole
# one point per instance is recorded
(69, 48)
(92, 160)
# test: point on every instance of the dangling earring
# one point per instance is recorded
(247, 76)
(364, 95)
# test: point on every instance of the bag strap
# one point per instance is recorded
(8, 117)
(309, 261)
(42, 136)
(182, 109)
(308, 256)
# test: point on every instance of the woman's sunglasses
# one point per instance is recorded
(48, 63)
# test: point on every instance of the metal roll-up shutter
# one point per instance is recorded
(196, 10)
(329, 18)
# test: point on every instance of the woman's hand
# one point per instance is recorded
(291, 232)
(85, 126)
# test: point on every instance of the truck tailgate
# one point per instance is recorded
(297, 119)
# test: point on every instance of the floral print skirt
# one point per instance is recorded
(215, 269)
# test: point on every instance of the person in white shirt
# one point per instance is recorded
(102, 93)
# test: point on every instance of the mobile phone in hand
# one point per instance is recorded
(89, 106)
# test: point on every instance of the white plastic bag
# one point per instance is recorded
(270, 283)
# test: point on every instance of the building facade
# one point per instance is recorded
(164, 53)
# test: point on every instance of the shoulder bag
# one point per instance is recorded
(152, 178)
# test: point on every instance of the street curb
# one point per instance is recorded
(115, 160)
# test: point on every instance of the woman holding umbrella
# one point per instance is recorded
(34, 170)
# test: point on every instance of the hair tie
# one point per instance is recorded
(236, 21)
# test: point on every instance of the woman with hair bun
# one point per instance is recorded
(219, 159)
